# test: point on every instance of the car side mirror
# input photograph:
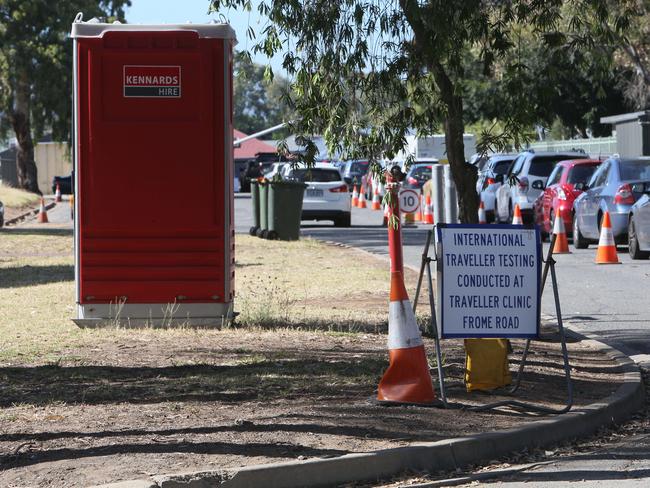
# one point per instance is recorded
(498, 178)
(538, 185)
(580, 186)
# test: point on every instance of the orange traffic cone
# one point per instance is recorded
(417, 215)
(606, 253)
(376, 201)
(407, 379)
(57, 193)
(42, 213)
(516, 218)
(362, 198)
(561, 242)
(482, 219)
(428, 214)
(355, 196)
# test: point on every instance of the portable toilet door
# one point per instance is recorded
(154, 233)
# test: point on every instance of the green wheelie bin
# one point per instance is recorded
(285, 209)
(263, 229)
(255, 203)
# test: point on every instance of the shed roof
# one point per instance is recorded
(250, 148)
(643, 116)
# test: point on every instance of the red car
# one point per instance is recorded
(560, 192)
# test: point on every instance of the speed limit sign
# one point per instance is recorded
(409, 200)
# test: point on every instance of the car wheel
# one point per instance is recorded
(343, 221)
(272, 235)
(633, 242)
(579, 242)
(253, 231)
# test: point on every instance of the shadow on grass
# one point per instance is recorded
(258, 379)
(36, 231)
(273, 450)
(17, 276)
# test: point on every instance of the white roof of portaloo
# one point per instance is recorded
(95, 28)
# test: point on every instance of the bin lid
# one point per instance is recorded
(95, 28)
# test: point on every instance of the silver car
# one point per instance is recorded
(638, 227)
(614, 188)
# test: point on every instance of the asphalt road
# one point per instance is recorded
(608, 300)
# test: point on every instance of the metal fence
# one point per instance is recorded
(599, 146)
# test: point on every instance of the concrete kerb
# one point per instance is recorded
(33, 211)
(433, 456)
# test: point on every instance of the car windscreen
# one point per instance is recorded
(634, 170)
(358, 168)
(581, 173)
(543, 165)
(421, 173)
(317, 175)
(501, 167)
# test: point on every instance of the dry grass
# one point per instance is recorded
(15, 198)
(303, 285)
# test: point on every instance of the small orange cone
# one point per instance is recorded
(482, 219)
(606, 253)
(42, 213)
(362, 198)
(417, 215)
(516, 218)
(407, 379)
(428, 214)
(57, 193)
(408, 218)
(561, 242)
(376, 201)
(355, 196)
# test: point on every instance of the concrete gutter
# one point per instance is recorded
(431, 456)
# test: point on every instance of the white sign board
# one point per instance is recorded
(409, 200)
(488, 280)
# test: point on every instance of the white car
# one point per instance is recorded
(525, 180)
(326, 197)
(274, 169)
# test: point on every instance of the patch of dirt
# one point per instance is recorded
(149, 403)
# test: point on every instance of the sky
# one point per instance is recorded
(196, 11)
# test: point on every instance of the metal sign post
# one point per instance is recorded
(549, 265)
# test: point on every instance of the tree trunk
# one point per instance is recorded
(464, 174)
(25, 164)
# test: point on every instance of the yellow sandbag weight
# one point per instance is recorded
(486, 363)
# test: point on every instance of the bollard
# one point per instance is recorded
(451, 198)
(437, 193)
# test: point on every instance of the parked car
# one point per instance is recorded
(560, 193)
(354, 171)
(614, 187)
(419, 173)
(326, 197)
(490, 178)
(525, 180)
(638, 227)
(65, 184)
(276, 169)
(2, 214)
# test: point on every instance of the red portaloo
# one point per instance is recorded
(407, 379)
